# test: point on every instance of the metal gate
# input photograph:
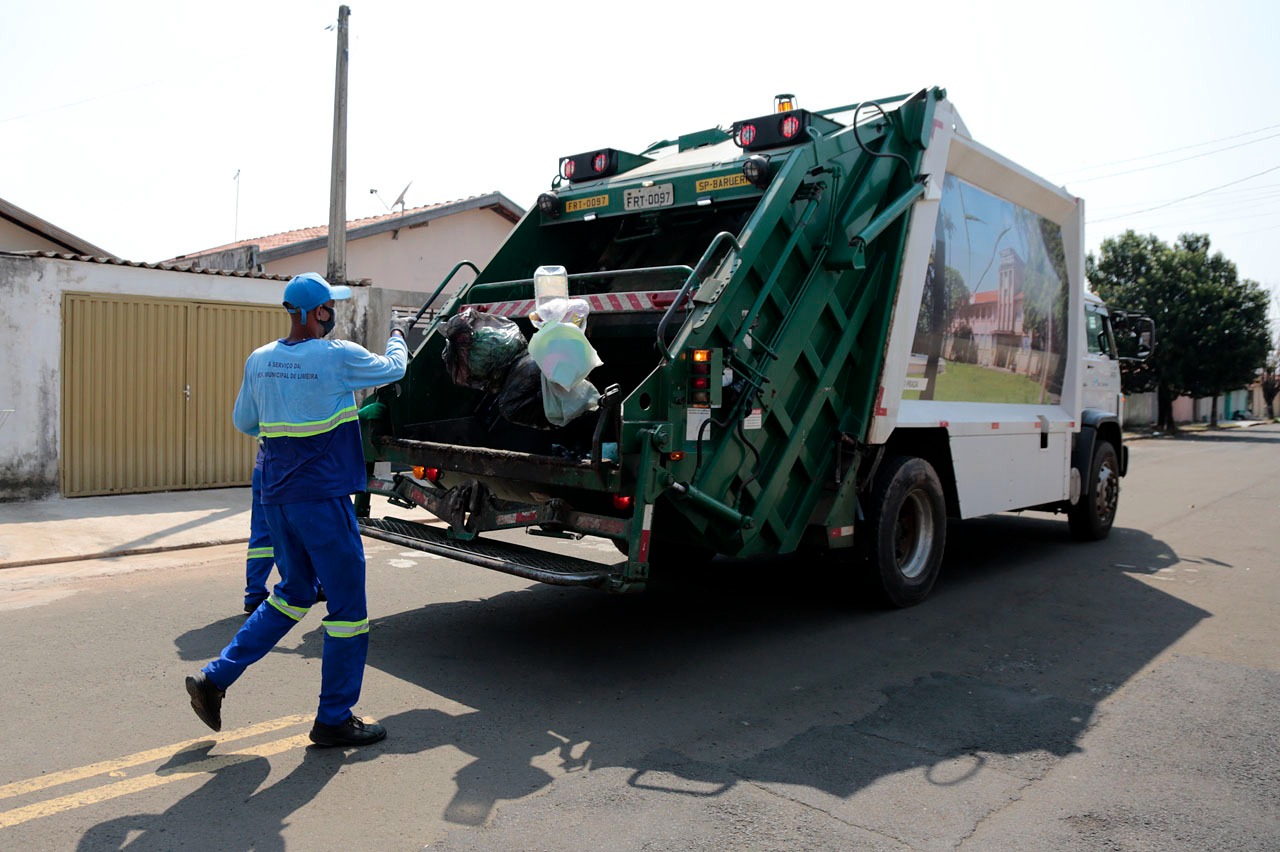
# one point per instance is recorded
(147, 391)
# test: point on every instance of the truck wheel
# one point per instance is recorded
(905, 530)
(1091, 517)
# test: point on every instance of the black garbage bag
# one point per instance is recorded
(479, 347)
(520, 399)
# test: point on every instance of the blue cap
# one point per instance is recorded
(308, 291)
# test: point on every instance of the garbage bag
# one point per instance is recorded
(564, 353)
(480, 347)
(520, 397)
(560, 405)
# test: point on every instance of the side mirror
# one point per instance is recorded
(1145, 343)
(1137, 338)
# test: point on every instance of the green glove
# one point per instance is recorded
(372, 411)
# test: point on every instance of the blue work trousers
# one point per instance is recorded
(313, 541)
(261, 556)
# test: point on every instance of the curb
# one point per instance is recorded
(108, 554)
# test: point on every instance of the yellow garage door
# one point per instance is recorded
(147, 391)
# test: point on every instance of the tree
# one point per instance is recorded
(1270, 379)
(1211, 327)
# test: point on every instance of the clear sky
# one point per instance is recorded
(126, 123)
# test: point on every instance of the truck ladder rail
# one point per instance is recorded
(507, 557)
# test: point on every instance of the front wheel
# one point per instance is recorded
(905, 530)
(1091, 517)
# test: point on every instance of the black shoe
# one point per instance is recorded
(206, 700)
(353, 732)
(250, 608)
(321, 597)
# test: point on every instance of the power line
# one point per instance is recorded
(1170, 151)
(1247, 195)
(1187, 197)
(1175, 162)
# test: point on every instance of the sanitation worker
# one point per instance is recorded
(298, 396)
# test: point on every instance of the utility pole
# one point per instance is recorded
(337, 272)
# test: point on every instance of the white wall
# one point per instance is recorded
(415, 259)
(31, 290)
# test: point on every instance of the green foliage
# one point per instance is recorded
(938, 307)
(1211, 327)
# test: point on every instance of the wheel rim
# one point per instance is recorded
(913, 535)
(1108, 491)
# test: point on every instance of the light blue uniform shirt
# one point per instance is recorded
(299, 399)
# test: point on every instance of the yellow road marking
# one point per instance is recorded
(146, 782)
(31, 785)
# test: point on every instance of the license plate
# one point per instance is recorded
(648, 197)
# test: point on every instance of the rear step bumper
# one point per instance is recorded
(506, 557)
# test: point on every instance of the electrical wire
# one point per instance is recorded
(1187, 197)
(1169, 151)
(1175, 162)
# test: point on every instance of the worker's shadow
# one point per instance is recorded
(201, 820)
(206, 643)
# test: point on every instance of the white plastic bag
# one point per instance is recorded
(563, 353)
(572, 311)
(561, 405)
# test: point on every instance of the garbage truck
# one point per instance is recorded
(813, 332)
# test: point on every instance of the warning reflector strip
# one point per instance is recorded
(604, 303)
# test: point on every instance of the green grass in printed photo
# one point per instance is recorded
(973, 383)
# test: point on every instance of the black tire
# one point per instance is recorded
(1093, 514)
(905, 531)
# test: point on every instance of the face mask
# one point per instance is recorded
(328, 324)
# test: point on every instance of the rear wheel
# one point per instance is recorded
(1091, 517)
(905, 531)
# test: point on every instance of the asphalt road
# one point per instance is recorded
(1049, 695)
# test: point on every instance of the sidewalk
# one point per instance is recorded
(65, 529)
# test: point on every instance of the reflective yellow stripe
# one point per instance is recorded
(305, 430)
(262, 552)
(346, 629)
(294, 612)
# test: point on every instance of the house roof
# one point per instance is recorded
(111, 260)
(287, 243)
(49, 231)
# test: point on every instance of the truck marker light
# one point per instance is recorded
(790, 127)
(676, 455)
(419, 472)
(432, 474)
(600, 162)
(623, 501)
(746, 134)
(566, 168)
